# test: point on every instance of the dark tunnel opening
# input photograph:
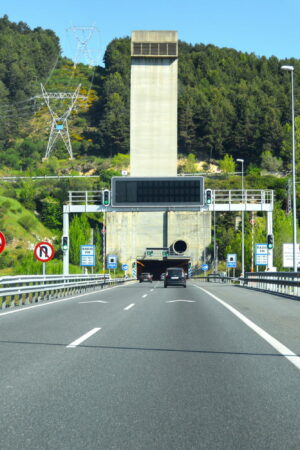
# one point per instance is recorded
(157, 267)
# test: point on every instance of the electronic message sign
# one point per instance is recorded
(157, 191)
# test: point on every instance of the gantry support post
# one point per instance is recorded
(270, 231)
(66, 233)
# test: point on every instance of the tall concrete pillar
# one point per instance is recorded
(153, 109)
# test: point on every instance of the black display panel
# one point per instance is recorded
(157, 191)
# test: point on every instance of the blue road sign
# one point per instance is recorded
(204, 267)
(231, 260)
(124, 266)
(112, 265)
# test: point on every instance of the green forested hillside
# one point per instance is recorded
(230, 105)
(229, 102)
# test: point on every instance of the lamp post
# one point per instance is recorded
(291, 70)
(243, 219)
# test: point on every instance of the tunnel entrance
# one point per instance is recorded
(156, 267)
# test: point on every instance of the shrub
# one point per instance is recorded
(27, 222)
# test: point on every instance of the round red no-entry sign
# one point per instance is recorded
(44, 251)
(2, 242)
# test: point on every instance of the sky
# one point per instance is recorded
(263, 27)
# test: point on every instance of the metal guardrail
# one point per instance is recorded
(212, 278)
(282, 283)
(28, 289)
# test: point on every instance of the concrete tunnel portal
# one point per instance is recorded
(156, 267)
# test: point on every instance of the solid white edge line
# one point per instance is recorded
(129, 307)
(83, 338)
(145, 295)
(52, 302)
(281, 348)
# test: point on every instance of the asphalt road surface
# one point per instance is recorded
(143, 367)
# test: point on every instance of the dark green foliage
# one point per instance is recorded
(51, 212)
(27, 221)
(26, 58)
(114, 103)
(27, 194)
(229, 102)
(6, 260)
(80, 234)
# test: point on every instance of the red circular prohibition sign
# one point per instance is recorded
(44, 251)
(2, 242)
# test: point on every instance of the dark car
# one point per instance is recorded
(175, 276)
(145, 276)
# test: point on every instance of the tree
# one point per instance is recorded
(26, 194)
(79, 235)
(227, 165)
(270, 162)
(286, 148)
(51, 212)
(190, 164)
(114, 126)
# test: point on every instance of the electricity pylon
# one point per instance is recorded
(59, 126)
(83, 36)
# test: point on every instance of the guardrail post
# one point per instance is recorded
(20, 300)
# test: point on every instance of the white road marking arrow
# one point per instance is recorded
(186, 301)
(95, 301)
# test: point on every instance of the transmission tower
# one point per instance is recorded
(83, 35)
(59, 126)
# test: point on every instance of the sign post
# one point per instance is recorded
(231, 261)
(44, 252)
(125, 268)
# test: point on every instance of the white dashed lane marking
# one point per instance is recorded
(83, 338)
(129, 307)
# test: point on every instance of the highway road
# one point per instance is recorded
(143, 367)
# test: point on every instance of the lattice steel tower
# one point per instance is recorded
(59, 126)
(83, 35)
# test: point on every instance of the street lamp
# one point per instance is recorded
(291, 69)
(243, 219)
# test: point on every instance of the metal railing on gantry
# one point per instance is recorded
(221, 200)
